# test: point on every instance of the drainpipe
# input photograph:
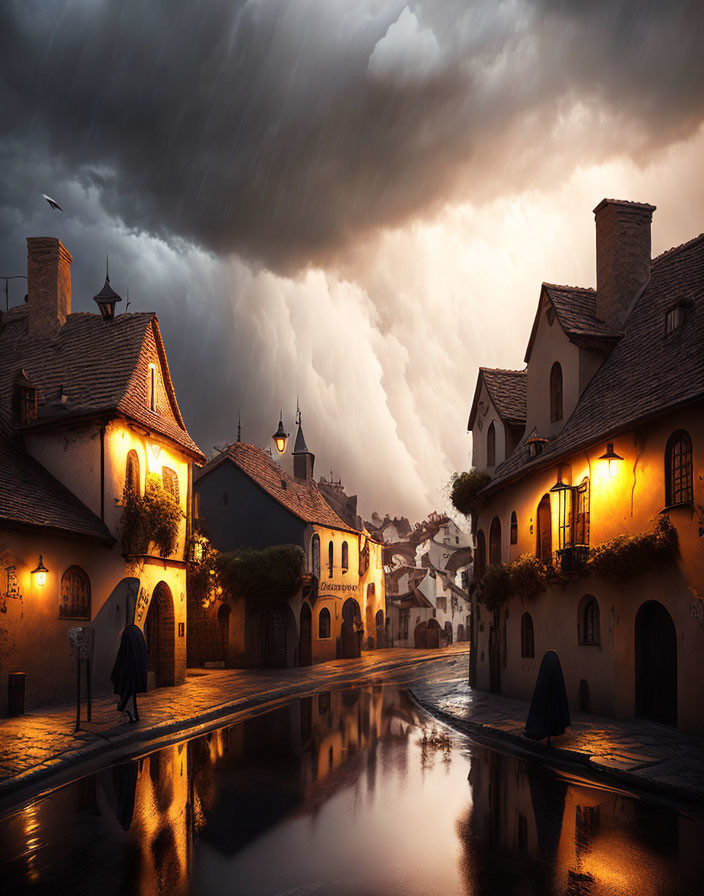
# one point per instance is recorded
(102, 472)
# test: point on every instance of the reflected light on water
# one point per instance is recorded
(349, 792)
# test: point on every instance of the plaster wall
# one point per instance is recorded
(628, 502)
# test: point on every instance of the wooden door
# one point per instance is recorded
(656, 664)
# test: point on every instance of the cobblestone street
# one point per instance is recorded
(639, 754)
(42, 743)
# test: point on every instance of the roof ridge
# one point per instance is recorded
(502, 370)
(589, 289)
(682, 246)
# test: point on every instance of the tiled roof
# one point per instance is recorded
(507, 390)
(99, 365)
(30, 496)
(575, 310)
(646, 373)
(302, 499)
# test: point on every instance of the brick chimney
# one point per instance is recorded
(48, 285)
(622, 256)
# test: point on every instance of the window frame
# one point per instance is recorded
(75, 571)
(514, 528)
(679, 481)
(589, 631)
(315, 555)
(345, 557)
(324, 614)
(331, 557)
(173, 488)
(132, 474)
(491, 445)
(151, 388)
(527, 637)
(556, 393)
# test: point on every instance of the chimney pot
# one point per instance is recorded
(622, 256)
(48, 285)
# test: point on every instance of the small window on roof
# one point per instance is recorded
(151, 388)
(674, 318)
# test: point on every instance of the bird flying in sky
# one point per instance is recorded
(52, 202)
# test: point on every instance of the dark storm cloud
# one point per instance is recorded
(283, 131)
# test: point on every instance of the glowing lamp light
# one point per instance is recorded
(40, 573)
(280, 437)
(612, 458)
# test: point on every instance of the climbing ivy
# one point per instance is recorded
(151, 518)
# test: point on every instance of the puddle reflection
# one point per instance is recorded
(344, 792)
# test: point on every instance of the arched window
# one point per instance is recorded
(324, 623)
(74, 602)
(555, 393)
(169, 478)
(345, 557)
(527, 636)
(132, 474)
(151, 388)
(544, 534)
(588, 623)
(315, 556)
(479, 556)
(491, 445)
(678, 469)
(379, 618)
(495, 542)
(331, 553)
(514, 528)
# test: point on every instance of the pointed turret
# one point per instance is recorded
(107, 298)
(303, 459)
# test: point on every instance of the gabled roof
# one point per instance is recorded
(99, 365)
(507, 390)
(575, 310)
(30, 496)
(459, 558)
(646, 374)
(302, 499)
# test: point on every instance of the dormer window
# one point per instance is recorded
(555, 393)
(674, 319)
(151, 388)
(24, 399)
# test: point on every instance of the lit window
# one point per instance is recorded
(324, 623)
(581, 513)
(527, 636)
(132, 473)
(170, 479)
(152, 388)
(555, 393)
(678, 469)
(74, 602)
(673, 319)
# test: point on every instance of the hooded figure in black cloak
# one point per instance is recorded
(549, 713)
(129, 674)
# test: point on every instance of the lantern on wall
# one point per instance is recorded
(280, 437)
(612, 458)
(40, 573)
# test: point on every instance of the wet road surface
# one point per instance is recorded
(344, 792)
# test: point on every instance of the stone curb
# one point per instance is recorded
(488, 734)
(116, 741)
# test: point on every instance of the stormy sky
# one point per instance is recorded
(349, 203)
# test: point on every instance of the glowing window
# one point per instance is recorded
(678, 469)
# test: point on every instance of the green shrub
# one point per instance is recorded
(495, 587)
(629, 556)
(262, 573)
(152, 518)
(203, 579)
(529, 576)
(464, 488)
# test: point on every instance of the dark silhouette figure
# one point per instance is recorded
(549, 713)
(129, 674)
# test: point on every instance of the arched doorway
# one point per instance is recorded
(448, 632)
(266, 636)
(420, 635)
(305, 639)
(224, 630)
(159, 631)
(460, 632)
(433, 634)
(352, 629)
(656, 664)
